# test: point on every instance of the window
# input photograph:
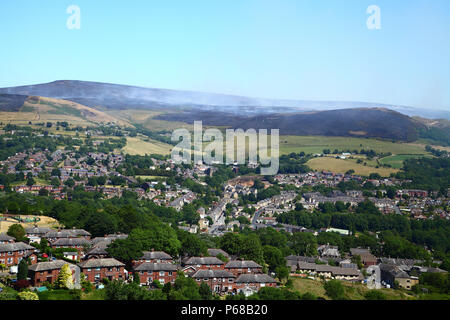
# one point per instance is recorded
(162, 273)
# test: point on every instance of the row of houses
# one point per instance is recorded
(96, 264)
(158, 266)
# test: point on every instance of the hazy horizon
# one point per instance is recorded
(284, 50)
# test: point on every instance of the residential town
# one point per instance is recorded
(332, 223)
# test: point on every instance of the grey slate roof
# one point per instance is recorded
(60, 234)
(99, 263)
(306, 266)
(97, 250)
(255, 278)
(18, 246)
(5, 237)
(67, 233)
(37, 230)
(148, 255)
(148, 266)
(50, 265)
(242, 264)
(335, 271)
(67, 242)
(81, 232)
(97, 240)
(215, 252)
(203, 261)
(213, 274)
(301, 258)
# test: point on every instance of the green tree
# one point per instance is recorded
(30, 181)
(205, 291)
(55, 182)
(304, 244)
(282, 273)
(136, 278)
(22, 273)
(16, 231)
(70, 183)
(64, 280)
(274, 257)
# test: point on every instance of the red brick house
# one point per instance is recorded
(12, 253)
(238, 267)
(98, 251)
(97, 269)
(67, 233)
(254, 282)
(75, 243)
(36, 233)
(162, 272)
(204, 263)
(46, 271)
(367, 258)
(153, 257)
(220, 281)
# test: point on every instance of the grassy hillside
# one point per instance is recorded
(44, 222)
(40, 109)
(353, 291)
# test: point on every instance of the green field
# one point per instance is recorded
(396, 161)
(342, 166)
(316, 144)
(137, 146)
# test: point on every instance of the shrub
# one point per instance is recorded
(21, 284)
(334, 289)
(375, 295)
(28, 295)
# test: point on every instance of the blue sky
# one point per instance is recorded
(292, 49)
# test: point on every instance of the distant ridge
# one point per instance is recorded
(357, 122)
(115, 96)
